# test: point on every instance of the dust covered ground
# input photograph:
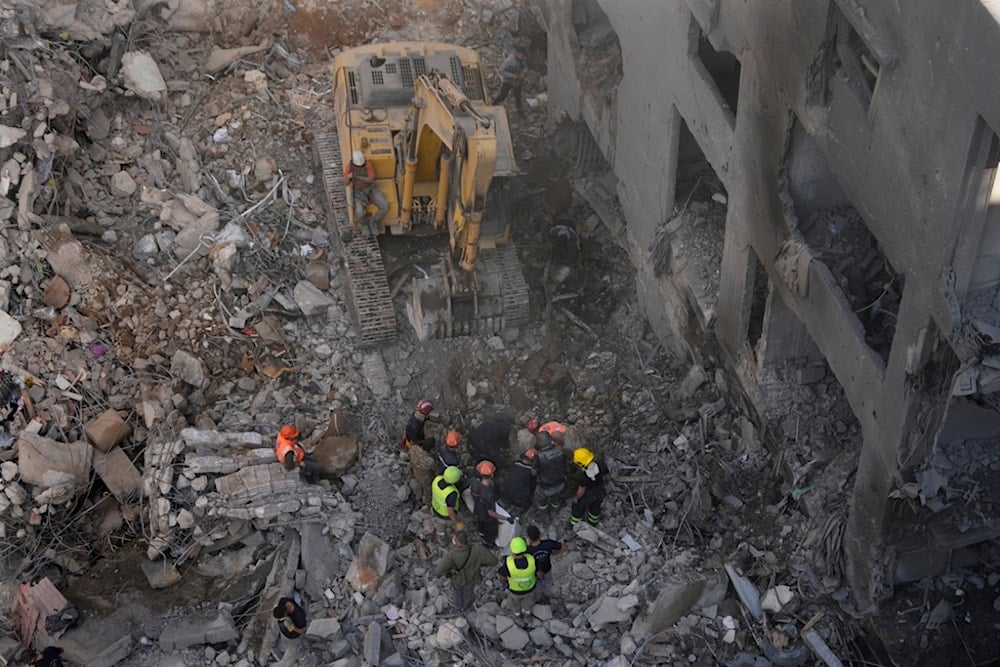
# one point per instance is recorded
(156, 234)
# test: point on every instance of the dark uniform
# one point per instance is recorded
(484, 496)
(593, 481)
(447, 456)
(550, 464)
(518, 484)
(414, 431)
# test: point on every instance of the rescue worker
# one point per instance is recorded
(292, 623)
(550, 470)
(518, 486)
(290, 453)
(543, 550)
(554, 430)
(360, 174)
(525, 438)
(518, 571)
(463, 563)
(445, 496)
(590, 491)
(485, 506)
(447, 451)
(414, 434)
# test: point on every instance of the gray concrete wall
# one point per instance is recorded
(902, 163)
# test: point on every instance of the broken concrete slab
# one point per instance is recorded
(188, 368)
(310, 300)
(608, 609)
(336, 452)
(258, 480)
(118, 473)
(113, 654)
(220, 59)
(746, 591)
(676, 598)
(319, 559)
(10, 328)
(514, 638)
(217, 464)
(369, 564)
(324, 628)
(142, 75)
(207, 629)
(107, 430)
(160, 573)
(44, 462)
(373, 644)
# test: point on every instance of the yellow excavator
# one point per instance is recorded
(443, 162)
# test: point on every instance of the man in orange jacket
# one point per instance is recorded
(290, 453)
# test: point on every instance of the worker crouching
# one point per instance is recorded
(290, 453)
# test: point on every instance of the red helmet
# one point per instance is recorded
(530, 454)
(532, 425)
(453, 439)
(486, 469)
(425, 406)
(288, 431)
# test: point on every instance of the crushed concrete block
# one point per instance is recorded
(107, 430)
(319, 558)
(373, 644)
(10, 328)
(258, 480)
(695, 378)
(311, 300)
(188, 368)
(448, 636)
(44, 462)
(113, 654)
(372, 559)
(336, 452)
(609, 610)
(324, 628)
(142, 75)
(540, 637)
(160, 573)
(675, 599)
(514, 638)
(194, 632)
(118, 474)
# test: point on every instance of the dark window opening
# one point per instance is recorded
(695, 179)
(724, 68)
(758, 288)
(854, 59)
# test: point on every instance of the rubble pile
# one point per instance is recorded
(173, 295)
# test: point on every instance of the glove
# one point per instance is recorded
(459, 525)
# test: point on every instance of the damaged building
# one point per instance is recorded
(811, 198)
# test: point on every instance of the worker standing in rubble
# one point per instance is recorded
(555, 430)
(512, 71)
(550, 469)
(463, 564)
(590, 491)
(292, 623)
(290, 453)
(525, 438)
(518, 485)
(413, 433)
(543, 550)
(518, 571)
(485, 507)
(447, 451)
(445, 496)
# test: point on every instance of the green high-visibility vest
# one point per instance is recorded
(440, 490)
(521, 579)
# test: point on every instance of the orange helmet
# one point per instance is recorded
(425, 406)
(453, 439)
(288, 431)
(532, 425)
(486, 469)
(530, 454)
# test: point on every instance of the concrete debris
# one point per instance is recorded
(214, 628)
(142, 75)
(369, 565)
(107, 430)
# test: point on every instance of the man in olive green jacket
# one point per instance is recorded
(463, 563)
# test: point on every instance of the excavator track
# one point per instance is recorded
(367, 282)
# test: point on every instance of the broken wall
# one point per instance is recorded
(844, 85)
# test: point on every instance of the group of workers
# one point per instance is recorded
(541, 471)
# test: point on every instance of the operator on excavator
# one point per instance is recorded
(360, 174)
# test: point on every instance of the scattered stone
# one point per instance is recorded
(142, 75)
(160, 573)
(674, 600)
(10, 135)
(44, 462)
(188, 368)
(514, 638)
(324, 628)
(118, 473)
(369, 565)
(122, 184)
(107, 430)
(113, 654)
(181, 634)
(10, 328)
(309, 299)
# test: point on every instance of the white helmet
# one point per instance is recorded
(358, 158)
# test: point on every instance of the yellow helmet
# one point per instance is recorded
(518, 545)
(582, 457)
